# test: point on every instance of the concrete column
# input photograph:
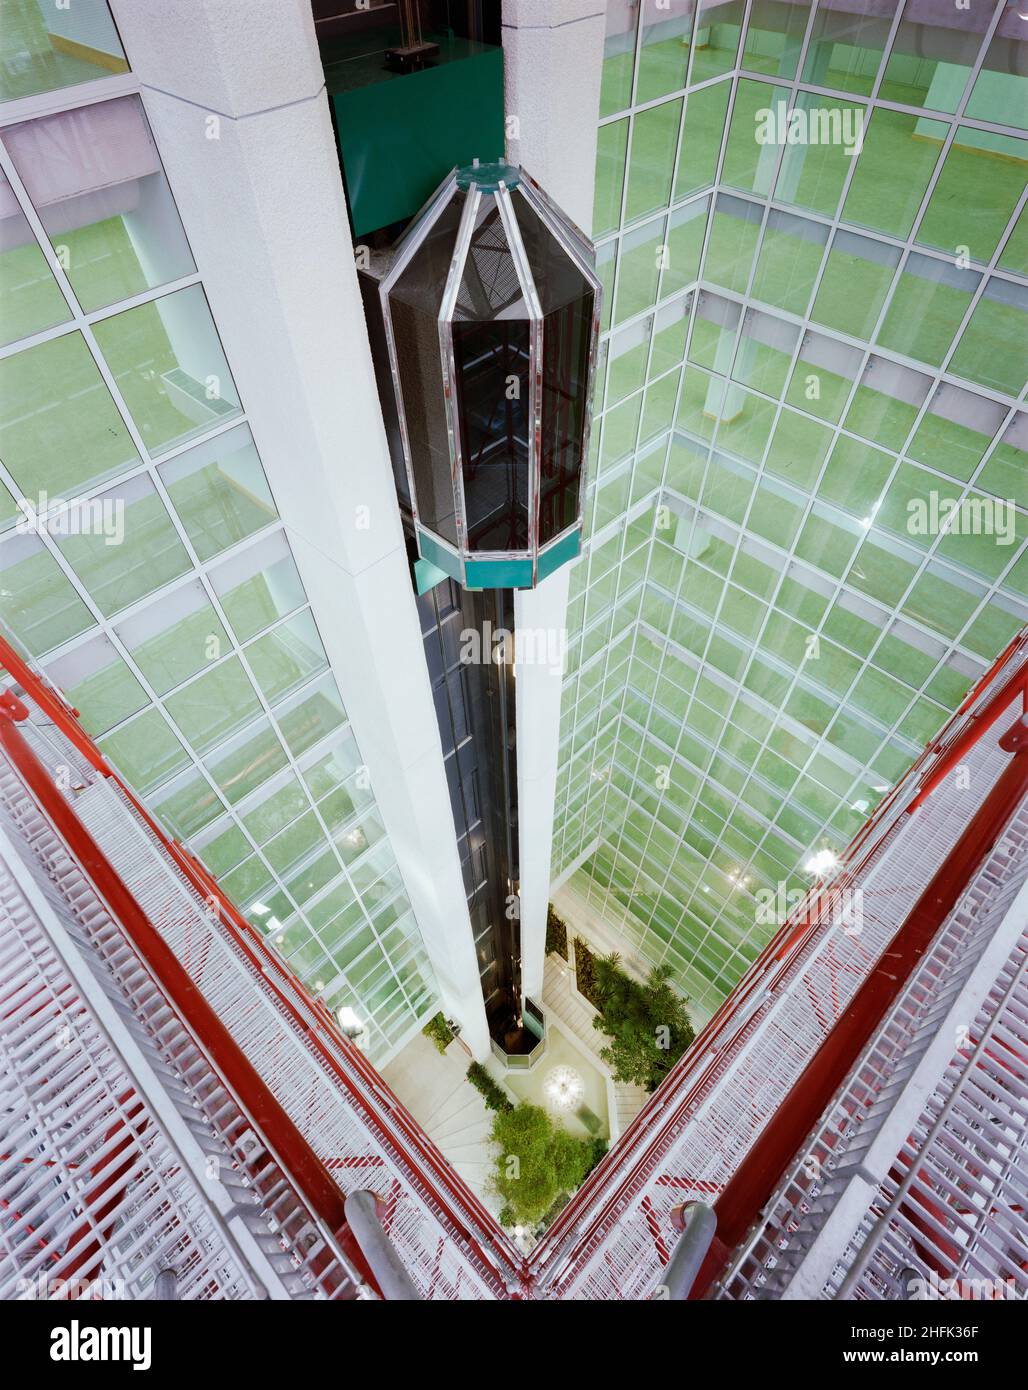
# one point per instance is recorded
(553, 61)
(235, 93)
(552, 64)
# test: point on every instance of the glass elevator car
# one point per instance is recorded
(491, 312)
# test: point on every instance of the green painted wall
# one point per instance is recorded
(400, 135)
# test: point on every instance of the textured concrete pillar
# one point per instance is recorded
(553, 61)
(235, 93)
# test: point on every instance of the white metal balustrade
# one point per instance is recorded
(614, 1240)
(616, 1236)
(355, 1127)
(122, 1158)
(893, 1194)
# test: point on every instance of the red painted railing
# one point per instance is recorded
(599, 1199)
(350, 1069)
(467, 1219)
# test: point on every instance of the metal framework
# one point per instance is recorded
(573, 843)
(327, 1120)
(894, 1195)
(123, 1154)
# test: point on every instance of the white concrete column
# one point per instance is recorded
(553, 61)
(235, 93)
(540, 621)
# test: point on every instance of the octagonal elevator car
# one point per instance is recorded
(490, 319)
(491, 312)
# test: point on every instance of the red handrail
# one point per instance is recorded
(450, 1192)
(227, 1058)
(957, 737)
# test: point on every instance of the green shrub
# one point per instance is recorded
(585, 973)
(492, 1093)
(556, 933)
(647, 1023)
(550, 1161)
(439, 1031)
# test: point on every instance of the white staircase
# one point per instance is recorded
(436, 1091)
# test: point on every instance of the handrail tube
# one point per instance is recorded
(763, 1165)
(362, 1213)
(698, 1222)
(977, 727)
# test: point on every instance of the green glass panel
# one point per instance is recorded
(220, 492)
(132, 551)
(618, 60)
(897, 158)
(921, 71)
(942, 601)
(642, 252)
(774, 37)
(879, 570)
(854, 284)
(1015, 252)
(145, 750)
(705, 112)
(246, 762)
(814, 168)
(35, 55)
(846, 46)
(927, 307)
(107, 695)
(686, 227)
(37, 602)
(979, 186)
(734, 232)
(215, 704)
(167, 361)
(260, 587)
(790, 257)
(175, 638)
(664, 49)
(798, 448)
(611, 147)
(59, 429)
(826, 543)
(716, 38)
(992, 350)
(123, 235)
(998, 93)
(750, 164)
(29, 297)
(654, 141)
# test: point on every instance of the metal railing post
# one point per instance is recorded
(697, 1222)
(365, 1223)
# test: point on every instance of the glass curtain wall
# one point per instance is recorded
(143, 565)
(807, 507)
